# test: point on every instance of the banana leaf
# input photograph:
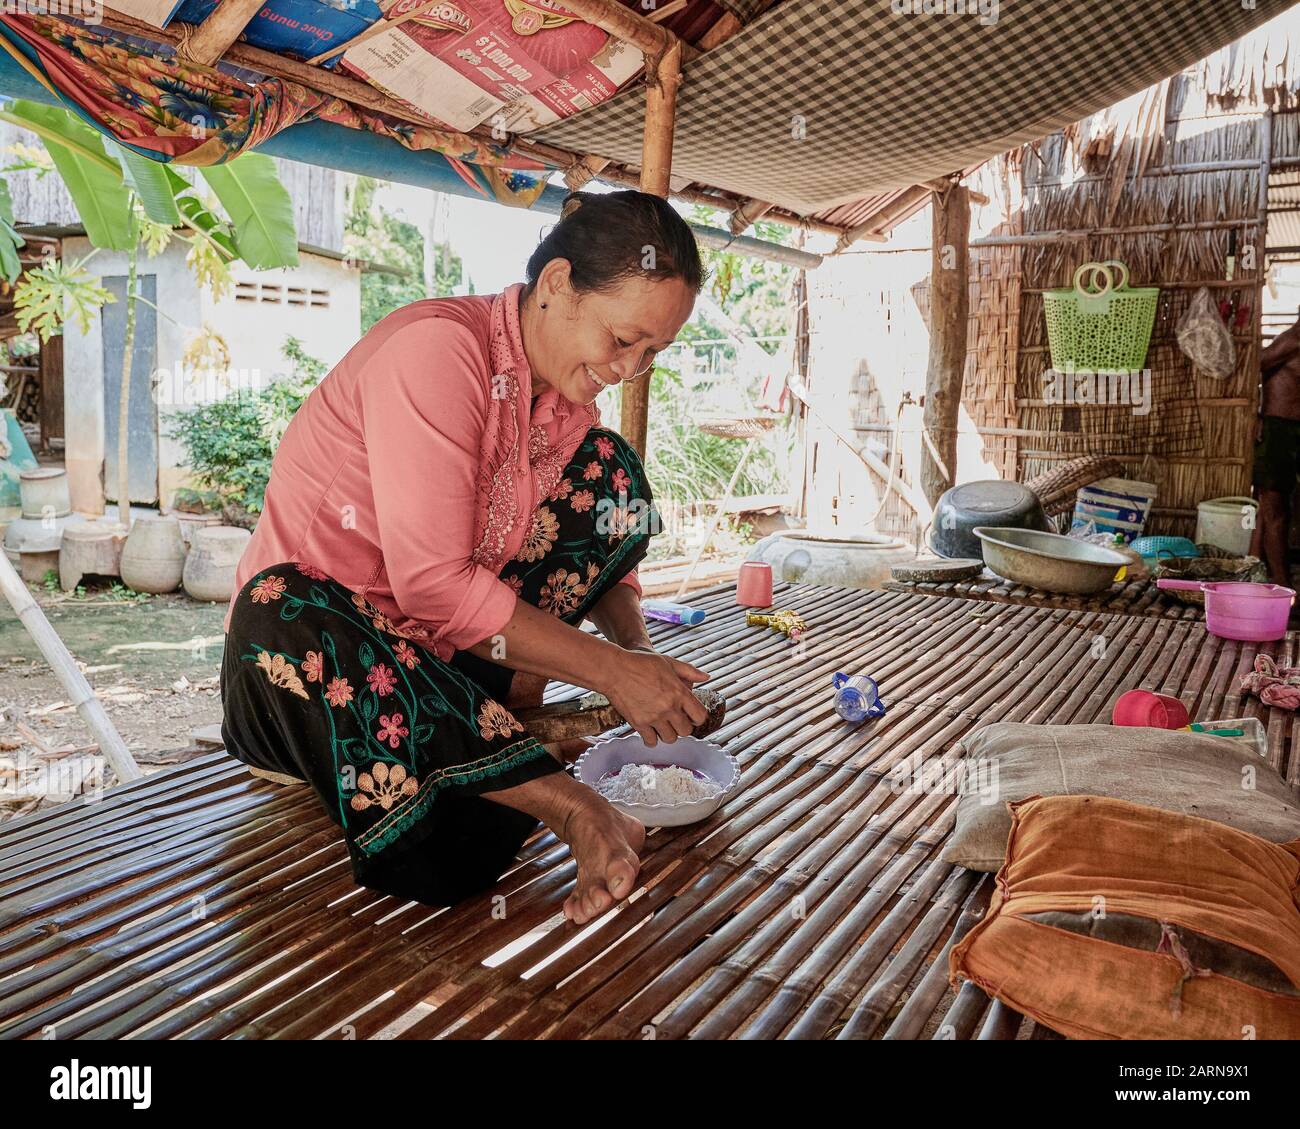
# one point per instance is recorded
(154, 188)
(265, 233)
(94, 180)
(10, 240)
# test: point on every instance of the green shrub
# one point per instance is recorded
(229, 444)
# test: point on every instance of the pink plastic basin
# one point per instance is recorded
(1254, 613)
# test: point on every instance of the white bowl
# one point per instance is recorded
(704, 757)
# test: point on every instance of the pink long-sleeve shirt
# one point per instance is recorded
(411, 473)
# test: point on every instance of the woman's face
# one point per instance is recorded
(585, 343)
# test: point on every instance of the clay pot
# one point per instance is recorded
(210, 568)
(850, 560)
(154, 555)
(32, 544)
(44, 492)
(93, 549)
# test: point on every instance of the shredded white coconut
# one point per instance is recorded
(645, 784)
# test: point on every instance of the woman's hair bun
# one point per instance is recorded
(605, 236)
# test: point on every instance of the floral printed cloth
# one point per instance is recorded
(171, 110)
(320, 684)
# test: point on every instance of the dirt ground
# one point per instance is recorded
(153, 663)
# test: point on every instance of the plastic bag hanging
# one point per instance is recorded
(1204, 339)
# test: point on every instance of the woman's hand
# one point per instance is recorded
(653, 693)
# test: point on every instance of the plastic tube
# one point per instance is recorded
(670, 612)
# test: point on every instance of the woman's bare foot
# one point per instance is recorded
(605, 844)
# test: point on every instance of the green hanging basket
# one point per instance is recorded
(1097, 325)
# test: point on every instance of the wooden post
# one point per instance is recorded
(949, 312)
(662, 78)
(51, 368)
(215, 34)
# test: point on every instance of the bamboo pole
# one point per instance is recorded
(623, 23)
(68, 673)
(214, 36)
(870, 228)
(747, 213)
(663, 74)
(949, 315)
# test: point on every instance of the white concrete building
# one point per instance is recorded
(318, 302)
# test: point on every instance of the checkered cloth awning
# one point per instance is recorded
(817, 103)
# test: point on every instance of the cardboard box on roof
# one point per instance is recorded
(582, 88)
(302, 28)
(465, 61)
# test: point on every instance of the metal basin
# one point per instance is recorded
(1049, 561)
(988, 502)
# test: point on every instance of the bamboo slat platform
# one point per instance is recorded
(201, 902)
(1133, 597)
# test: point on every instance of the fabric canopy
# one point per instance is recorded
(818, 103)
(162, 107)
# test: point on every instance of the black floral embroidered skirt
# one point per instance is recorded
(398, 744)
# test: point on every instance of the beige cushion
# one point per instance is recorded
(1210, 777)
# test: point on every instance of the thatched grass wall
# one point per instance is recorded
(1196, 440)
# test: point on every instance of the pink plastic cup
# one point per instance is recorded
(754, 585)
(1147, 708)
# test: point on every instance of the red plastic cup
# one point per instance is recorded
(1155, 711)
(754, 585)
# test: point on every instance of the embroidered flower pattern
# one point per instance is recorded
(391, 730)
(593, 571)
(267, 589)
(594, 470)
(516, 584)
(377, 618)
(494, 720)
(381, 679)
(604, 448)
(562, 592)
(405, 654)
(338, 693)
(282, 673)
(562, 490)
(313, 666)
(311, 571)
(582, 501)
(384, 785)
(621, 481)
(542, 535)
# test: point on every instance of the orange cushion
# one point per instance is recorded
(1114, 920)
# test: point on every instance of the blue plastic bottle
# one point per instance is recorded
(857, 697)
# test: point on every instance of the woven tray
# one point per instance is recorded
(1249, 569)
